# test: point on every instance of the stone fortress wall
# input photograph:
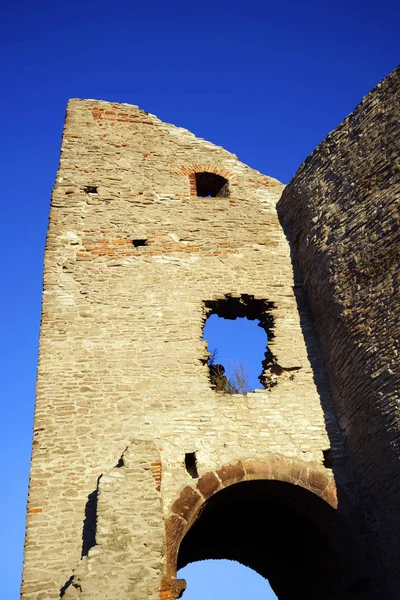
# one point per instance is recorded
(341, 213)
(135, 262)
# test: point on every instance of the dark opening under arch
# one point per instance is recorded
(287, 534)
(211, 185)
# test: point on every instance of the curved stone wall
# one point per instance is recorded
(341, 213)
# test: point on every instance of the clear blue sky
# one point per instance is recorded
(266, 80)
(238, 344)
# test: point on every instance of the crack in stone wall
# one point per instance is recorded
(127, 559)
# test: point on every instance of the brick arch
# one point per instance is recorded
(186, 509)
(190, 170)
(325, 554)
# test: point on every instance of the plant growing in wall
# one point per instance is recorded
(237, 383)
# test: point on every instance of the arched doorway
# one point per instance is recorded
(290, 531)
(275, 528)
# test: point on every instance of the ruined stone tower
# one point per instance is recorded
(139, 465)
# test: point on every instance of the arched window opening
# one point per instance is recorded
(211, 185)
(237, 331)
(285, 533)
(218, 579)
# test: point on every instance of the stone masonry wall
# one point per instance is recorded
(128, 558)
(341, 213)
(121, 353)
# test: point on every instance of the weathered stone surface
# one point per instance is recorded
(258, 468)
(175, 528)
(134, 263)
(341, 214)
(229, 474)
(187, 501)
(127, 553)
(208, 485)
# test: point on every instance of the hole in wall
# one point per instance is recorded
(211, 185)
(191, 464)
(327, 454)
(139, 242)
(237, 331)
(90, 189)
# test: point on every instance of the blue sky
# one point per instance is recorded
(239, 345)
(266, 80)
(218, 579)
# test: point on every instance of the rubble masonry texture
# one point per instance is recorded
(341, 213)
(123, 386)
